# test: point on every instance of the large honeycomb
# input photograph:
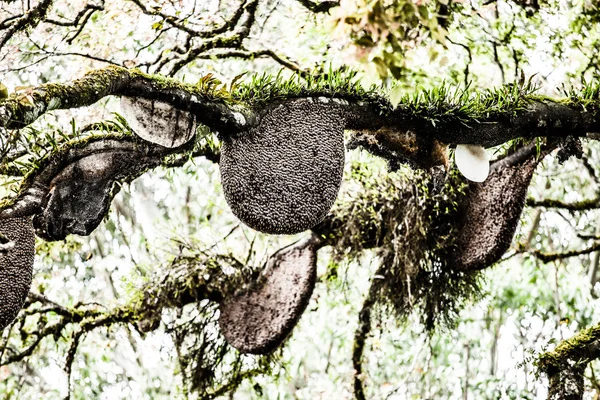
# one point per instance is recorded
(283, 175)
(259, 319)
(17, 251)
(491, 211)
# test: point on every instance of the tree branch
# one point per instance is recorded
(549, 257)
(23, 108)
(232, 41)
(566, 364)
(445, 121)
(30, 19)
(80, 20)
(583, 205)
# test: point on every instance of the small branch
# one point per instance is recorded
(231, 41)
(583, 205)
(549, 257)
(27, 21)
(469, 55)
(585, 160)
(80, 20)
(360, 337)
(249, 55)
(182, 26)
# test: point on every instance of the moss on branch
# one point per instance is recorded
(583, 347)
(583, 205)
(566, 364)
(546, 257)
(449, 115)
(206, 99)
(195, 283)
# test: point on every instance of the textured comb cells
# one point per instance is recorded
(283, 176)
(258, 320)
(16, 262)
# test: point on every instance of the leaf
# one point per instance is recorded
(233, 85)
(396, 96)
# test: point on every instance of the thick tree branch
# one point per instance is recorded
(23, 108)
(446, 123)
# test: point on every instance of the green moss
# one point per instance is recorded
(208, 86)
(440, 104)
(575, 349)
(208, 364)
(262, 89)
(409, 222)
(448, 104)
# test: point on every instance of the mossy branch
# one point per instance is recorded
(583, 205)
(187, 280)
(451, 116)
(549, 257)
(566, 364)
(24, 107)
(30, 19)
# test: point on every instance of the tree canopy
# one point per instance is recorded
(293, 198)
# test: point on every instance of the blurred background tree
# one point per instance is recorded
(527, 302)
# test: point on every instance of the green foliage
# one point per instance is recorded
(451, 103)
(410, 220)
(383, 30)
(265, 88)
(586, 97)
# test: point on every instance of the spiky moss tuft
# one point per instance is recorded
(283, 176)
(194, 285)
(259, 319)
(16, 264)
(586, 97)
(260, 90)
(447, 104)
(409, 221)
